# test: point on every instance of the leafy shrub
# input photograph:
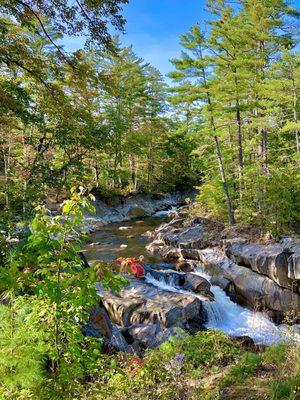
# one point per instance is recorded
(206, 348)
(246, 366)
(286, 389)
(57, 292)
(275, 354)
(22, 348)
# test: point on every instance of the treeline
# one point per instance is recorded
(97, 117)
(104, 118)
(240, 80)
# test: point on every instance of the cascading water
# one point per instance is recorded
(223, 313)
(168, 283)
(231, 318)
(164, 213)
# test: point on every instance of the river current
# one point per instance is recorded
(128, 239)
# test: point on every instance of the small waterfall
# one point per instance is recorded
(164, 213)
(231, 318)
(169, 284)
(235, 320)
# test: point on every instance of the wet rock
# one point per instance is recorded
(118, 341)
(184, 266)
(152, 335)
(252, 288)
(124, 228)
(186, 281)
(223, 283)
(140, 302)
(135, 211)
(170, 252)
(190, 254)
(197, 284)
(167, 310)
(291, 248)
(267, 260)
(120, 308)
(93, 224)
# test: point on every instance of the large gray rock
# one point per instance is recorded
(267, 260)
(137, 211)
(183, 280)
(152, 335)
(140, 302)
(253, 288)
(291, 248)
(294, 264)
(100, 326)
(197, 284)
(185, 238)
(159, 247)
(120, 308)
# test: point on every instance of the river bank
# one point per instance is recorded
(263, 276)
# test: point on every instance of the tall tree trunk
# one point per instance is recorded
(230, 210)
(224, 181)
(264, 150)
(295, 114)
(298, 142)
(264, 131)
(240, 149)
(149, 167)
(96, 171)
(133, 171)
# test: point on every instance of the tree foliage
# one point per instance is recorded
(240, 83)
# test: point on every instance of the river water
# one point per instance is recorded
(127, 239)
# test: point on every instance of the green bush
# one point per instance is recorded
(166, 371)
(275, 354)
(286, 389)
(246, 366)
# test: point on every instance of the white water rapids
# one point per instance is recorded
(233, 319)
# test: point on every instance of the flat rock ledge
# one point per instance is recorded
(144, 316)
(259, 276)
(143, 303)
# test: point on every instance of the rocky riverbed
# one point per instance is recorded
(192, 282)
(260, 276)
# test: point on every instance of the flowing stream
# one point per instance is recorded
(128, 239)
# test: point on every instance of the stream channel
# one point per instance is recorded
(127, 239)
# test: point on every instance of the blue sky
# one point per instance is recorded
(153, 28)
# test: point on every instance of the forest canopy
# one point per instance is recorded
(103, 117)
